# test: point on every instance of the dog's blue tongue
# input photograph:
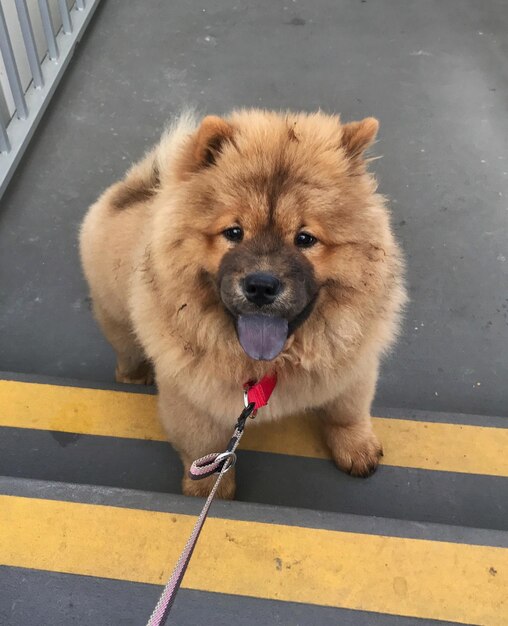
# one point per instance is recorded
(262, 336)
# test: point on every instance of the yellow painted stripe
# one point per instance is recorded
(407, 443)
(79, 410)
(419, 578)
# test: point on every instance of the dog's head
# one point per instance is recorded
(274, 200)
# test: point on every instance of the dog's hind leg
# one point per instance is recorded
(132, 366)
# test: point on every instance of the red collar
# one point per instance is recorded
(260, 392)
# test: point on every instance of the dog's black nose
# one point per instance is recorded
(261, 288)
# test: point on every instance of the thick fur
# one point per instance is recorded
(153, 253)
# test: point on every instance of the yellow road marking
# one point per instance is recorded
(79, 410)
(407, 443)
(418, 578)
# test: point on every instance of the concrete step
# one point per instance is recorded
(449, 469)
(88, 555)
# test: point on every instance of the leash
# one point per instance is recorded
(256, 395)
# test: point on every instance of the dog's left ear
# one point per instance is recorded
(213, 133)
(358, 136)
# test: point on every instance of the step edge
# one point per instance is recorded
(420, 415)
(244, 511)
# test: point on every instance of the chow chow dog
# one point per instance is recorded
(242, 246)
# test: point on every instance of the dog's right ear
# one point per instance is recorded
(204, 146)
(213, 133)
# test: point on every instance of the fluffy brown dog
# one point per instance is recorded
(243, 246)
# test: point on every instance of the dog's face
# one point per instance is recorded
(267, 284)
(276, 203)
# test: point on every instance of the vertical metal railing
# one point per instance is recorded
(46, 70)
(66, 17)
(5, 144)
(47, 24)
(12, 69)
(30, 46)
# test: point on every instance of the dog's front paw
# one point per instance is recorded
(355, 448)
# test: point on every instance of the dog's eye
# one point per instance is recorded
(235, 233)
(305, 240)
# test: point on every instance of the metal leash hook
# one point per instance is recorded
(246, 399)
(256, 395)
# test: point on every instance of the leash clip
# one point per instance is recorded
(246, 401)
